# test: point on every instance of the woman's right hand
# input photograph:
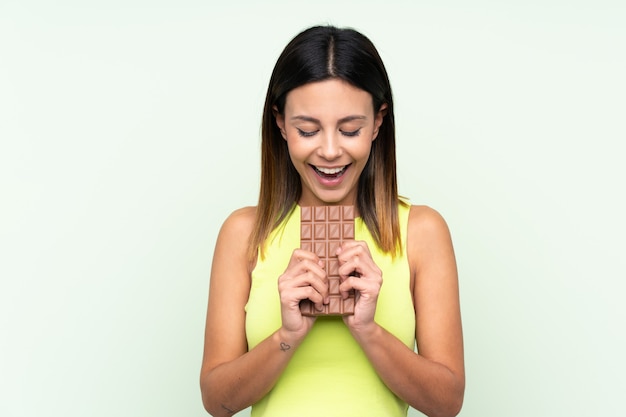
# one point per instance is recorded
(304, 278)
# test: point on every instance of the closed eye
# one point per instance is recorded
(351, 133)
(306, 134)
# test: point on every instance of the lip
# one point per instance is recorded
(328, 181)
(335, 168)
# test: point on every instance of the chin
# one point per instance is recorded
(337, 200)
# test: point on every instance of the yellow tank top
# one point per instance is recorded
(329, 375)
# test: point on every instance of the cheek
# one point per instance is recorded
(296, 151)
(363, 150)
(296, 145)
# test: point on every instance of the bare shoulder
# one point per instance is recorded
(425, 221)
(234, 235)
(240, 221)
(428, 236)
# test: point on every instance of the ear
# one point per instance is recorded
(280, 121)
(378, 120)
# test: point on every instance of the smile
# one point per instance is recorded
(330, 172)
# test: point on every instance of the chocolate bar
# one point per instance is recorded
(322, 230)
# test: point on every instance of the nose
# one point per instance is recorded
(330, 146)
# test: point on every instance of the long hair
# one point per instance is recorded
(316, 54)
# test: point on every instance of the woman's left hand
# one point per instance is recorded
(359, 272)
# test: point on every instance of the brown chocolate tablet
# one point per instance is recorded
(322, 230)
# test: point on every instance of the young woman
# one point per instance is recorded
(328, 138)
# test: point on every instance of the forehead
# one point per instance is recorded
(329, 98)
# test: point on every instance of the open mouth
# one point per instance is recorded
(330, 173)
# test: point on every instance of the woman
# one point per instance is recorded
(328, 138)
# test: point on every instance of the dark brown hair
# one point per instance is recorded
(316, 54)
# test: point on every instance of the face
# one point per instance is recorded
(329, 127)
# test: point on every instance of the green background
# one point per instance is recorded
(130, 129)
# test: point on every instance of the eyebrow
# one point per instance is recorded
(342, 120)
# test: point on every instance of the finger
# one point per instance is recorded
(347, 287)
(319, 282)
(363, 288)
(356, 249)
(294, 295)
(315, 279)
(356, 260)
(301, 267)
(299, 255)
(353, 246)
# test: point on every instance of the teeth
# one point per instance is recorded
(330, 171)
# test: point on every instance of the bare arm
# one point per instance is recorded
(233, 378)
(432, 381)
